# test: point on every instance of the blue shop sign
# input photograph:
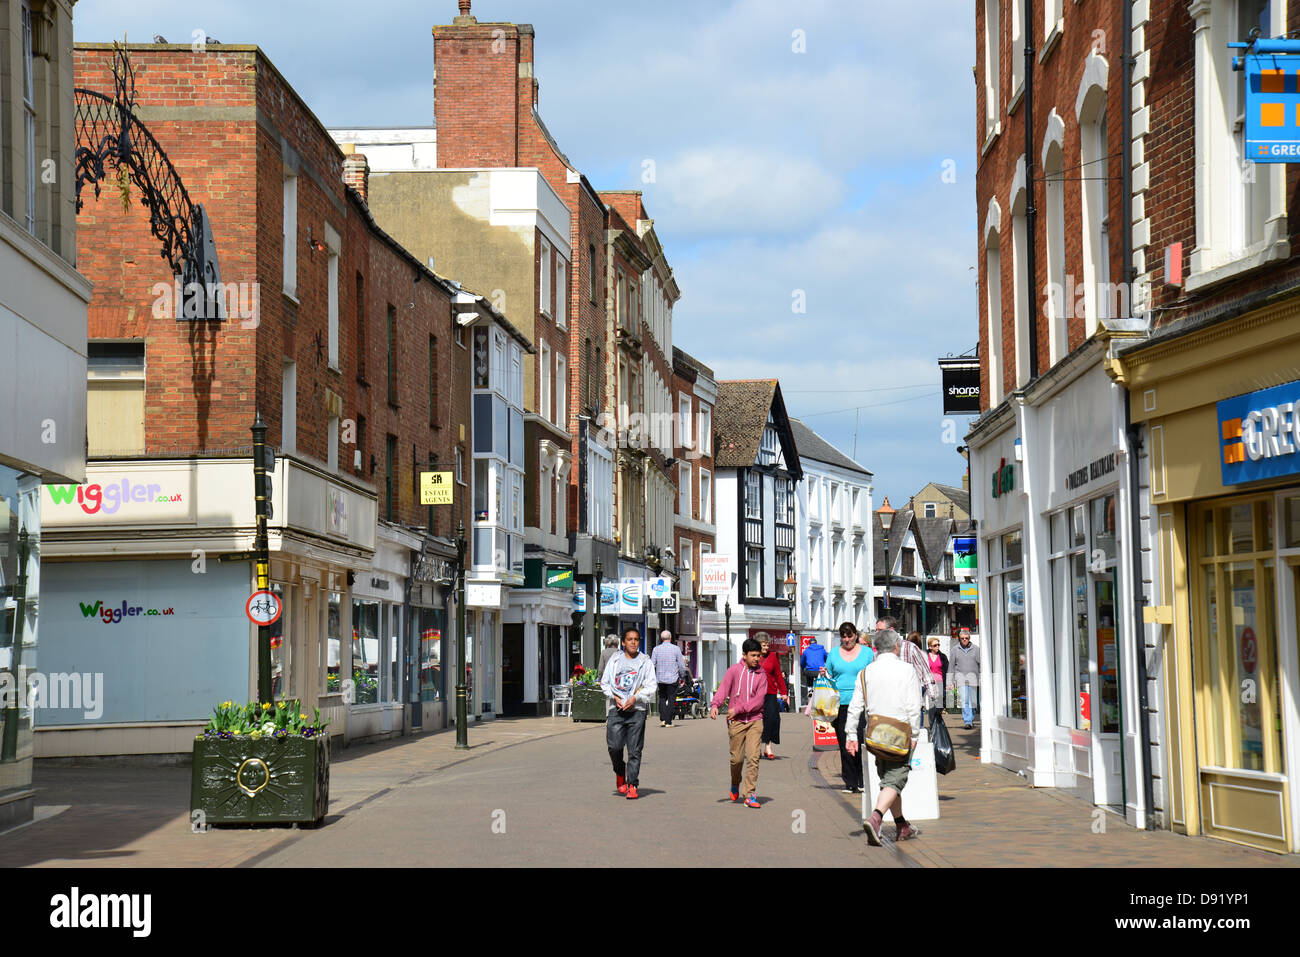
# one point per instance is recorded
(1272, 70)
(1259, 433)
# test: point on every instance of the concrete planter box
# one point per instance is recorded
(588, 704)
(264, 781)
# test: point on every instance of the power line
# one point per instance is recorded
(876, 405)
(891, 388)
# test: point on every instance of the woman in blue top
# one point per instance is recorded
(842, 666)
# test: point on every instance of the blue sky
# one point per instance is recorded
(774, 171)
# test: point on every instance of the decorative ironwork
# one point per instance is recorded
(111, 136)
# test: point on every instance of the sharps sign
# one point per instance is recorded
(1259, 434)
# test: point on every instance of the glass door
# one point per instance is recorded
(1107, 722)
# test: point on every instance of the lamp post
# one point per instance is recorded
(599, 624)
(462, 709)
(726, 611)
(261, 548)
(886, 514)
(791, 585)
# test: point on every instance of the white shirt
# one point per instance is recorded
(892, 691)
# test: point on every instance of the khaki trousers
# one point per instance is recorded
(746, 745)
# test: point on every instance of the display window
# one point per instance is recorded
(1234, 620)
(1007, 591)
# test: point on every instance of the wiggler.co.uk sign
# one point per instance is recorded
(117, 497)
(1259, 434)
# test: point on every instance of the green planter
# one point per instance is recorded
(240, 780)
(589, 704)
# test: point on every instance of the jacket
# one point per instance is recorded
(891, 690)
(775, 677)
(914, 656)
(637, 677)
(814, 657)
(747, 691)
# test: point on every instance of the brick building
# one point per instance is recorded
(694, 394)
(1214, 379)
(1065, 693)
(345, 345)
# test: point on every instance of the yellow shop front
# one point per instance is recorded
(1220, 410)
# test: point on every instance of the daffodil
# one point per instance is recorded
(267, 706)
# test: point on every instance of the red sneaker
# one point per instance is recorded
(622, 784)
(734, 795)
(631, 793)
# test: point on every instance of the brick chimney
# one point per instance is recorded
(356, 172)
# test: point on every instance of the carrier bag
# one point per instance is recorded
(945, 759)
(825, 700)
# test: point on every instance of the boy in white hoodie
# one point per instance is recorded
(628, 682)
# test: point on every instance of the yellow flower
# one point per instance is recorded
(267, 706)
(303, 717)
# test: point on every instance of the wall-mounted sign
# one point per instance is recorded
(336, 509)
(436, 488)
(658, 587)
(969, 591)
(1004, 479)
(1259, 433)
(961, 386)
(715, 573)
(668, 605)
(1272, 100)
(146, 495)
(1099, 468)
(580, 600)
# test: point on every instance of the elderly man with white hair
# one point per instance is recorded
(669, 667)
(888, 691)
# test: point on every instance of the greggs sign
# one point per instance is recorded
(1259, 434)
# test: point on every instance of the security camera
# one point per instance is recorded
(668, 550)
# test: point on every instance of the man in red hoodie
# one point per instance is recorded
(745, 684)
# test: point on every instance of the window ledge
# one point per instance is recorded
(334, 368)
(1053, 38)
(1260, 254)
(1017, 95)
(291, 296)
(992, 138)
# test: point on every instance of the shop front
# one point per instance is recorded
(1221, 416)
(432, 647)
(20, 587)
(381, 682)
(535, 638)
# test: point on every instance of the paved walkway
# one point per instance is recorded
(535, 791)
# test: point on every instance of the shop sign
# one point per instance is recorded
(1091, 472)
(969, 591)
(629, 596)
(1004, 479)
(715, 573)
(156, 495)
(483, 594)
(580, 600)
(1259, 433)
(669, 605)
(436, 488)
(1272, 112)
(961, 386)
(336, 509)
(965, 554)
(561, 578)
(658, 587)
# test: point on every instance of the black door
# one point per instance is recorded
(512, 669)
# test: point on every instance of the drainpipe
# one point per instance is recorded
(1134, 431)
(1031, 211)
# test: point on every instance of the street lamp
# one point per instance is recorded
(790, 586)
(462, 718)
(886, 514)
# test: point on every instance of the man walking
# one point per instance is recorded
(914, 656)
(966, 675)
(812, 661)
(745, 684)
(669, 667)
(628, 683)
(611, 649)
(889, 693)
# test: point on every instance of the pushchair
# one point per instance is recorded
(690, 699)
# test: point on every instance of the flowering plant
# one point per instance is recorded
(590, 679)
(280, 719)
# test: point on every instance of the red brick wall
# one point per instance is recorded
(206, 380)
(1056, 86)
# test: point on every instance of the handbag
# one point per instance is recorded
(945, 759)
(888, 738)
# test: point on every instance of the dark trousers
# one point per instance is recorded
(667, 701)
(771, 720)
(626, 729)
(850, 764)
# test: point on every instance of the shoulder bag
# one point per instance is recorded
(888, 738)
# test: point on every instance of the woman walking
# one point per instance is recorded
(776, 688)
(842, 666)
(938, 663)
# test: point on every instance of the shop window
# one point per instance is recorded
(333, 644)
(430, 624)
(1010, 653)
(365, 652)
(1236, 658)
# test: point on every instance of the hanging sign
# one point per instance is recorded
(436, 488)
(263, 608)
(961, 386)
(1272, 111)
(715, 573)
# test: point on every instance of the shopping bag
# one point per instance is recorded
(825, 700)
(944, 758)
